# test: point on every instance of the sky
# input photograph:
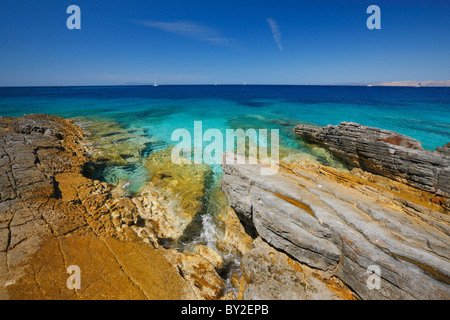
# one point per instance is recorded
(229, 42)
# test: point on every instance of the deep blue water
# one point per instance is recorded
(422, 113)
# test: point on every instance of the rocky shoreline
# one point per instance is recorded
(386, 153)
(393, 217)
(308, 232)
(340, 225)
(52, 216)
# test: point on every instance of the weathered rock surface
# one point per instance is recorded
(52, 216)
(341, 225)
(269, 274)
(200, 270)
(235, 241)
(386, 153)
(444, 149)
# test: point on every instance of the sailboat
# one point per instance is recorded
(155, 85)
(245, 83)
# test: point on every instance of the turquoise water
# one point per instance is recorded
(422, 113)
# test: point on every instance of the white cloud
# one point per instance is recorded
(193, 30)
(275, 32)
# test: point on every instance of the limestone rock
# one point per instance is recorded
(444, 149)
(342, 225)
(200, 271)
(269, 274)
(386, 153)
(235, 241)
(209, 254)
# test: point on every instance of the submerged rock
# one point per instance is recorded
(173, 195)
(343, 225)
(186, 181)
(112, 144)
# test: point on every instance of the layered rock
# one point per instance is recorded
(342, 226)
(53, 216)
(385, 153)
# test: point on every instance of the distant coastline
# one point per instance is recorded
(410, 83)
(407, 83)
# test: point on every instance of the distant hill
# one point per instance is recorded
(433, 83)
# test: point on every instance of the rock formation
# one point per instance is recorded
(344, 226)
(269, 274)
(386, 153)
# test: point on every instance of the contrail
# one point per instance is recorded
(276, 32)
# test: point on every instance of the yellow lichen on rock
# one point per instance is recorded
(234, 240)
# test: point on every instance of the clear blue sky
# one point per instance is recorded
(197, 42)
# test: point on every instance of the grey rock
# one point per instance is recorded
(270, 275)
(386, 153)
(444, 149)
(343, 230)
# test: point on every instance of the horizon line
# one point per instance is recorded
(362, 84)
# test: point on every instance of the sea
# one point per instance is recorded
(422, 113)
